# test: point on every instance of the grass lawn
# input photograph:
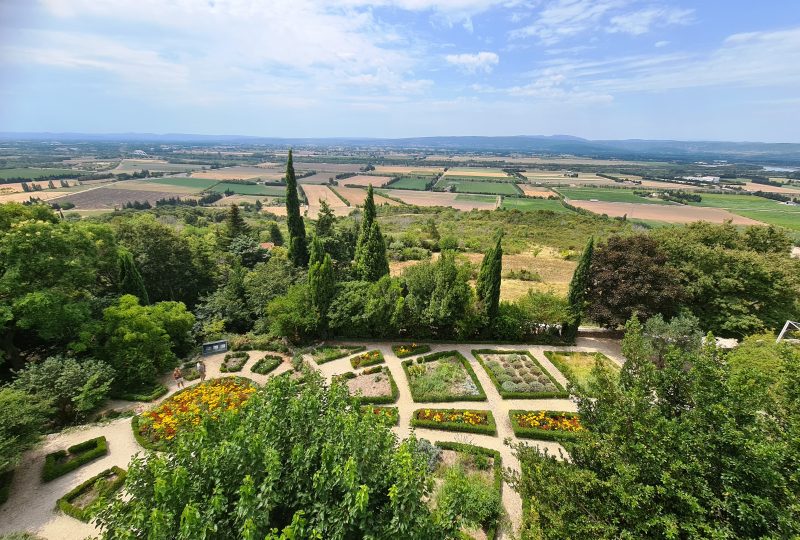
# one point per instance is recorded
(510, 203)
(577, 366)
(410, 182)
(248, 189)
(199, 183)
(606, 195)
(468, 186)
(758, 208)
(33, 174)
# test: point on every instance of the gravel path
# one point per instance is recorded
(31, 505)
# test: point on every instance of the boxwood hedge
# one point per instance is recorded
(61, 462)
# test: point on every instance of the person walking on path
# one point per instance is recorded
(178, 376)
(201, 369)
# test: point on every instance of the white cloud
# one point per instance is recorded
(641, 22)
(661, 44)
(567, 18)
(473, 63)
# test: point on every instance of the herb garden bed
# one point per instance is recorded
(61, 462)
(465, 420)
(328, 353)
(376, 385)
(517, 374)
(404, 351)
(442, 377)
(84, 501)
(267, 364)
(369, 358)
(545, 425)
(234, 361)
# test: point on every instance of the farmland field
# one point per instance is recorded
(434, 198)
(492, 188)
(316, 194)
(357, 196)
(758, 208)
(183, 181)
(606, 195)
(319, 178)
(240, 172)
(411, 182)
(364, 181)
(152, 165)
(669, 213)
(414, 171)
(534, 191)
(32, 174)
(552, 205)
(476, 198)
(108, 198)
(793, 190)
(476, 171)
(249, 189)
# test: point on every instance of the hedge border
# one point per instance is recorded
(561, 394)
(236, 354)
(395, 413)
(422, 348)
(91, 450)
(156, 392)
(255, 342)
(65, 505)
(6, 478)
(540, 434)
(375, 400)
(497, 466)
(352, 349)
(565, 370)
(368, 363)
(445, 399)
(277, 361)
(489, 429)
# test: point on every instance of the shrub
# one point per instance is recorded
(328, 353)
(256, 342)
(234, 361)
(464, 420)
(267, 364)
(367, 359)
(102, 484)
(61, 462)
(144, 393)
(403, 351)
(390, 414)
(432, 453)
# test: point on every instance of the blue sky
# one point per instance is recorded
(716, 69)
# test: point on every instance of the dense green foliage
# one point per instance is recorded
(578, 289)
(370, 262)
(22, 419)
(298, 250)
(487, 287)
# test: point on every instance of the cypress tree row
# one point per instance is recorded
(370, 260)
(130, 280)
(298, 250)
(578, 288)
(488, 285)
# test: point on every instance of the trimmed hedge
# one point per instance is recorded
(541, 434)
(489, 429)
(142, 394)
(497, 469)
(565, 370)
(226, 368)
(561, 393)
(392, 418)
(345, 350)
(410, 351)
(256, 342)
(5, 485)
(84, 514)
(267, 364)
(356, 361)
(375, 400)
(445, 399)
(60, 463)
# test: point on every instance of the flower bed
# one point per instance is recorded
(266, 364)
(185, 409)
(61, 462)
(328, 353)
(517, 374)
(83, 501)
(577, 366)
(545, 425)
(234, 361)
(442, 377)
(466, 420)
(367, 359)
(404, 351)
(371, 373)
(391, 415)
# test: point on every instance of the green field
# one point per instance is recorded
(476, 198)
(459, 178)
(513, 203)
(607, 195)
(182, 181)
(410, 182)
(247, 189)
(758, 208)
(33, 174)
(491, 188)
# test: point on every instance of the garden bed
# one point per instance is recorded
(369, 358)
(234, 361)
(183, 410)
(577, 366)
(464, 420)
(391, 415)
(517, 374)
(83, 501)
(545, 425)
(189, 370)
(328, 353)
(61, 462)
(376, 385)
(267, 364)
(442, 377)
(404, 351)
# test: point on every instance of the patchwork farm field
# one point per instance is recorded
(792, 190)
(470, 186)
(434, 198)
(316, 194)
(413, 171)
(153, 165)
(475, 171)
(249, 189)
(240, 173)
(607, 195)
(535, 191)
(515, 203)
(668, 213)
(364, 181)
(33, 173)
(356, 196)
(411, 182)
(108, 198)
(183, 181)
(756, 208)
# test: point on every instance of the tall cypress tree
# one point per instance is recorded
(322, 285)
(130, 280)
(489, 279)
(298, 250)
(317, 252)
(234, 223)
(370, 262)
(578, 289)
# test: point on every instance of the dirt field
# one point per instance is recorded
(316, 194)
(429, 198)
(319, 178)
(749, 186)
(334, 168)
(470, 171)
(533, 191)
(108, 198)
(153, 165)
(399, 169)
(23, 197)
(141, 185)
(5, 189)
(357, 196)
(240, 173)
(364, 181)
(667, 213)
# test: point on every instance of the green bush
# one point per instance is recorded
(267, 364)
(5, 485)
(100, 483)
(404, 351)
(22, 535)
(328, 353)
(149, 393)
(256, 342)
(61, 462)
(490, 428)
(502, 384)
(369, 358)
(234, 361)
(541, 434)
(439, 396)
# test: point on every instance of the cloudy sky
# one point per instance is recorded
(711, 69)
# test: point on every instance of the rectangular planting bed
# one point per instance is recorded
(83, 502)
(374, 385)
(369, 358)
(545, 425)
(404, 351)
(464, 420)
(234, 361)
(391, 415)
(61, 462)
(442, 377)
(267, 364)
(577, 366)
(517, 374)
